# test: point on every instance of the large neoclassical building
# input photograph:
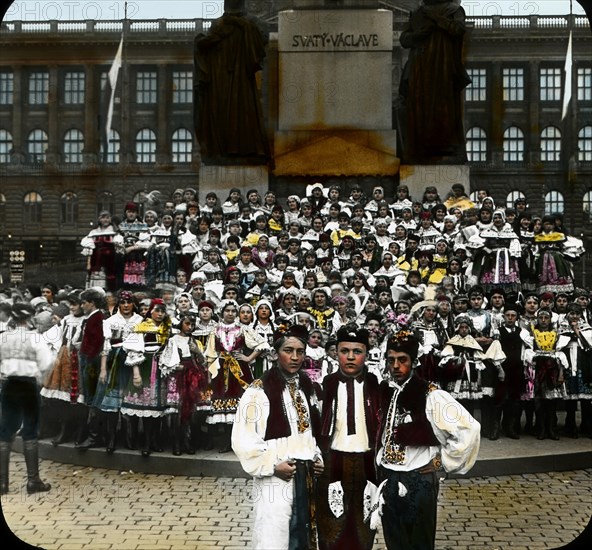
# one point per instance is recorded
(55, 174)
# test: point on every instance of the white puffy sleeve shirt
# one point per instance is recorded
(257, 456)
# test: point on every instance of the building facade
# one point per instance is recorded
(56, 174)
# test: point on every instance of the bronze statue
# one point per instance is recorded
(227, 107)
(432, 83)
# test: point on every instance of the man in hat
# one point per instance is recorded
(274, 437)
(348, 434)
(24, 361)
(91, 340)
(416, 438)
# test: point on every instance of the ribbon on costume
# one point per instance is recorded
(231, 365)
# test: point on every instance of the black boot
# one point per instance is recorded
(93, 439)
(226, 447)
(34, 483)
(529, 426)
(186, 434)
(61, 435)
(111, 430)
(551, 416)
(176, 432)
(147, 424)
(156, 443)
(571, 429)
(586, 424)
(5, 448)
(486, 417)
(82, 415)
(541, 421)
(496, 415)
(131, 432)
(207, 438)
(514, 411)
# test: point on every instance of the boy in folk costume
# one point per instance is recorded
(414, 440)
(348, 434)
(274, 437)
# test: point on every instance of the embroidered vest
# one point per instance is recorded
(411, 402)
(278, 424)
(371, 408)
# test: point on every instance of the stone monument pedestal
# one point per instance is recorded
(222, 178)
(334, 92)
(442, 177)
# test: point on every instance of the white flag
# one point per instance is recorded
(112, 82)
(567, 71)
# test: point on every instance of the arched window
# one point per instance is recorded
(37, 146)
(513, 144)
(512, 197)
(73, 146)
(182, 144)
(69, 208)
(32, 208)
(587, 206)
(585, 144)
(5, 146)
(113, 149)
(476, 145)
(105, 201)
(554, 203)
(550, 144)
(145, 146)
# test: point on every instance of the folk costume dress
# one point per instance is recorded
(414, 435)
(99, 248)
(549, 386)
(578, 352)
(161, 259)
(554, 252)
(432, 337)
(577, 349)
(182, 365)
(62, 382)
(278, 419)
(143, 348)
(548, 364)
(115, 330)
(462, 364)
(230, 377)
(496, 259)
(132, 264)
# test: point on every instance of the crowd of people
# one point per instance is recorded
(186, 312)
(181, 304)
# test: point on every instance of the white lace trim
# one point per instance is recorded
(142, 413)
(220, 418)
(55, 394)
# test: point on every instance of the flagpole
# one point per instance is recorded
(124, 139)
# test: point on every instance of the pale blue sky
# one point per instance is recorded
(39, 10)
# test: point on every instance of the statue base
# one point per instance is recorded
(222, 178)
(443, 176)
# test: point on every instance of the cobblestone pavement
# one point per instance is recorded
(101, 509)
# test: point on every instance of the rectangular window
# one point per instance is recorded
(513, 83)
(6, 88)
(477, 90)
(182, 86)
(585, 84)
(74, 88)
(39, 88)
(146, 87)
(550, 84)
